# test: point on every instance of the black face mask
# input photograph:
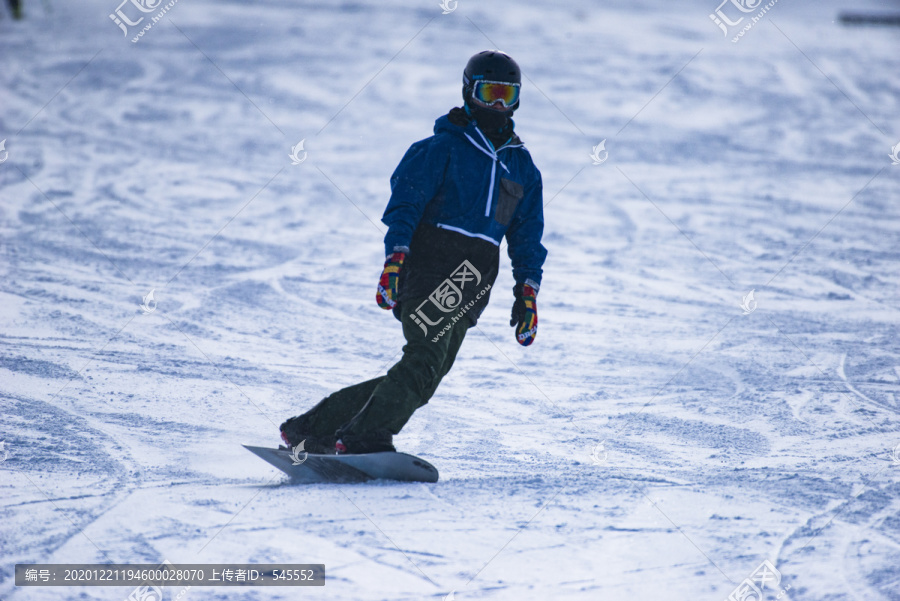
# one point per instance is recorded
(490, 121)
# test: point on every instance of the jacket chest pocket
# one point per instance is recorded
(510, 194)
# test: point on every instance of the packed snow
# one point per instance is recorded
(665, 435)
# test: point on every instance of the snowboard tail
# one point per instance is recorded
(311, 469)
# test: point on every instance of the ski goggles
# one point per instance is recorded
(490, 92)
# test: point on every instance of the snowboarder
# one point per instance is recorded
(454, 196)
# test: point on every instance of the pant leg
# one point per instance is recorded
(412, 381)
(452, 350)
(339, 407)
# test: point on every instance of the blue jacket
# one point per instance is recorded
(455, 180)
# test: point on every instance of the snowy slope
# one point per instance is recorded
(726, 438)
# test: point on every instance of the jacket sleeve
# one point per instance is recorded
(415, 181)
(524, 236)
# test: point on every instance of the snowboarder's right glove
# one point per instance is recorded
(524, 314)
(386, 297)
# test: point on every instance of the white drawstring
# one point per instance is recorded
(494, 160)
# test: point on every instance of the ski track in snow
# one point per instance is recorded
(726, 438)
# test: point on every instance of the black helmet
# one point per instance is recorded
(492, 65)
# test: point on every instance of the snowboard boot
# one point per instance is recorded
(297, 430)
(377, 441)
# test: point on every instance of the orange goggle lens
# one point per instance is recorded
(489, 92)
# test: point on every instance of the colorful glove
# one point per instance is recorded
(524, 314)
(386, 297)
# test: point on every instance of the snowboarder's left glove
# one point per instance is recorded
(524, 313)
(387, 285)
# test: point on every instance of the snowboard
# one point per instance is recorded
(307, 468)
